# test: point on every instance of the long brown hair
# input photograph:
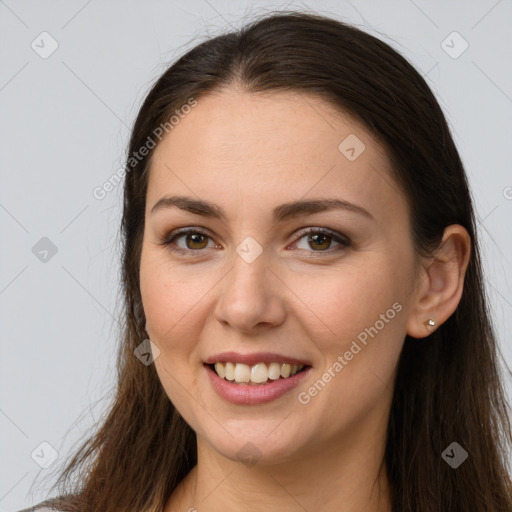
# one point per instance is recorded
(448, 386)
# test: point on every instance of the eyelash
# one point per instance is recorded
(337, 237)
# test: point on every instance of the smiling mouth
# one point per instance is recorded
(258, 374)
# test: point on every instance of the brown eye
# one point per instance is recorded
(195, 241)
(319, 241)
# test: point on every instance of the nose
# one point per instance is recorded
(251, 297)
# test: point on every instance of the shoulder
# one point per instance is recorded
(38, 508)
(45, 506)
(60, 503)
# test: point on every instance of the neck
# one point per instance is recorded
(347, 476)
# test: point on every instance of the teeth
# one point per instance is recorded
(285, 370)
(274, 371)
(257, 374)
(242, 373)
(219, 368)
(229, 371)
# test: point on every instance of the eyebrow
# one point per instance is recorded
(280, 213)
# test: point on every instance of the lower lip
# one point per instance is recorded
(245, 394)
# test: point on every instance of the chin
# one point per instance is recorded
(253, 442)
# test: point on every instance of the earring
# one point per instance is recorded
(430, 323)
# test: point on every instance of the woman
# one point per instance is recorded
(306, 324)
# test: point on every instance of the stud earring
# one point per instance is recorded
(430, 322)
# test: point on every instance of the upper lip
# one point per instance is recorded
(254, 358)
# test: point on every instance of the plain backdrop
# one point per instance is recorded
(72, 76)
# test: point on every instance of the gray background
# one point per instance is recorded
(64, 128)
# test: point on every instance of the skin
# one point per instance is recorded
(248, 153)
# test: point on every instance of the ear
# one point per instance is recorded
(440, 282)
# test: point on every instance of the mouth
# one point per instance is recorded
(259, 374)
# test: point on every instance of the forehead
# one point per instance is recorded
(271, 148)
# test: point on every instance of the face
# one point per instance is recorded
(326, 288)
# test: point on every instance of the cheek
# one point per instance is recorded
(167, 299)
(358, 327)
(342, 304)
(360, 349)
